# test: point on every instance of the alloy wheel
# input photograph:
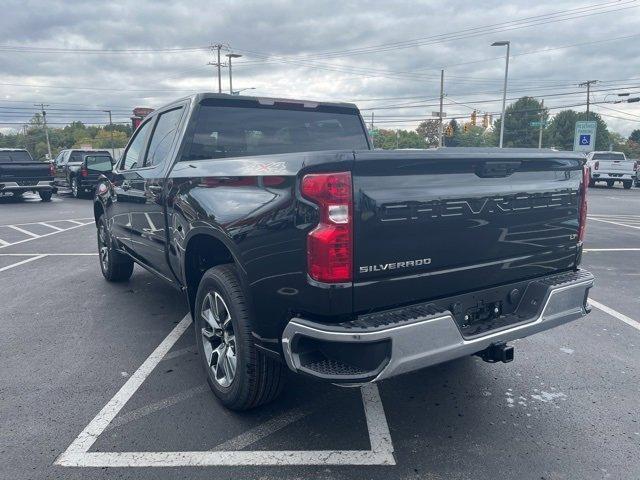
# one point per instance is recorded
(103, 248)
(218, 339)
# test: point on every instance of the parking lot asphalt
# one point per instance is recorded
(113, 368)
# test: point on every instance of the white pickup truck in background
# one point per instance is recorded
(611, 167)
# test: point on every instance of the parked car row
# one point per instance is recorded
(76, 170)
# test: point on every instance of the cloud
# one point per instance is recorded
(285, 47)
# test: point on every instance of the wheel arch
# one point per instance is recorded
(204, 250)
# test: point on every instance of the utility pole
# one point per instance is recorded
(372, 131)
(113, 155)
(541, 123)
(218, 47)
(588, 84)
(397, 139)
(46, 130)
(440, 123)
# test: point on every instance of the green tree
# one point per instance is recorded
(430, 131)
(452, 141)
(391, 139)
(635, 136)
(518, 131)
(475, 136)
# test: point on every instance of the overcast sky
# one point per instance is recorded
(370, 53)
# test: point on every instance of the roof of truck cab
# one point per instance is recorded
(265, 100)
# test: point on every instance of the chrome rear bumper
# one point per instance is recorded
(419, 341)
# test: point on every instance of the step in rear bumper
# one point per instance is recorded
(422, 341)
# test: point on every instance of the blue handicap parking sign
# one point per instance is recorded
(585, 139)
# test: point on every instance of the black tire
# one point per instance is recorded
(592, 183)
(627, 184)
(75, 188)
(257, 379)
(116, 266)
(45, 195)
(610, 183)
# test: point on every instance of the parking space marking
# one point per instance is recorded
(50, 226)
(611, 250)
(47, 254)
(614, 313)
(22, 262)
(141, 412)
(264, 430)
(78, 455)
(611, 222)
(33, 236)
(22, 230)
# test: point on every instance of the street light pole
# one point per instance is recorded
(440, 125)
(230, 56)
(46, 129)
(113, 155)
(507, 44)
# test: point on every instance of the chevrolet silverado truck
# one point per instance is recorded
(611, 167)
(20, 173)
(298, 246)
(79, 170)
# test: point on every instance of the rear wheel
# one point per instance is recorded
(75, 188)
(592, 182)
(609, 183)
(45, 195)
(240, 375)
(627, 184)
(115, 266)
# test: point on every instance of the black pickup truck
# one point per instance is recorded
(79, 170)
(20, 173)
(299, 246)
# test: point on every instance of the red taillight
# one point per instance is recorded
(52, 170)
(596, 165)
(583, 203)
(330, 244)
(83, 171)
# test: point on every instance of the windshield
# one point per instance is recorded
(100, 163)
(608, 156)
(15, 156)
(249, 128)
(76, 155)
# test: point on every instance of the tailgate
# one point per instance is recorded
(434, 224)
(622, 166)
(24, 171)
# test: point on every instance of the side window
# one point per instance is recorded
(58, 159)
(163, 135)
(134, 155)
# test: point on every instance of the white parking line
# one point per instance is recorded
(78, 455)
(47, 254)
(3, 242)
(615, 223)
(22, 230)
(614, 313)
(51, 226)
(43, 236)
(611, 250)
(22, 262)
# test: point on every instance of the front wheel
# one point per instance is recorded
(240, 375)
(610, 183)
(45, 195)
(115, 266)
(627, 184)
